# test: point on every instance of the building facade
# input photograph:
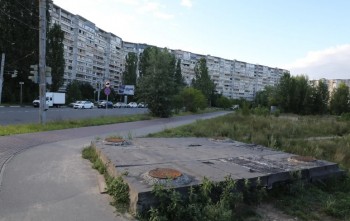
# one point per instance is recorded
(93, 55)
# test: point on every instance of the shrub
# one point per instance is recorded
(192, 99)
(223, 102)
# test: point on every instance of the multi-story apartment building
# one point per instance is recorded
(94, 55)
(233, 79)
(91, 54)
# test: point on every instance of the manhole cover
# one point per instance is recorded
(306, 159)
(164, 173)
(114, 140)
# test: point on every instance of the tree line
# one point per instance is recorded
(294, 94)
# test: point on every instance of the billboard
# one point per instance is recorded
(126, 89)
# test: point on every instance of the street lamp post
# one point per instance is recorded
(21, 83)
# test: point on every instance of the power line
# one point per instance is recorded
(30, 11)
(25, 56)
(23, 23)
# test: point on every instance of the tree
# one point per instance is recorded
(178, 78)
(340, 100)
(156, 85)
(301, 92)
(86, 90)
(55, 56)
(192, 99)
(318, 99)
(77, 90)
(144, 61)
(202, 80)
(266, 97)
(19, 40)
(292, 93)
(130, 75)
(73, 92)
(223, 102)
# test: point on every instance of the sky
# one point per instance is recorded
(309, 37)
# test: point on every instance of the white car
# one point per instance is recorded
(141, 105)
(132, 104)
(119, 105)
(84, 105)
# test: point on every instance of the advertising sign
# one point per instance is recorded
(126, 89)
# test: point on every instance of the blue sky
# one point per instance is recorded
(309, 37)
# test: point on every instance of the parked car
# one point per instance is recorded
(84, 105)
(73, 103)
(120, 105)
(132, 105)
(104, 103)
(141, 105)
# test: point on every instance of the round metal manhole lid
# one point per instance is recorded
(306, 159)
(165, 173)
(114, 140)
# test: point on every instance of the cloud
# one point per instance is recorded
(187, 3)
(155, 9)
(330, 63)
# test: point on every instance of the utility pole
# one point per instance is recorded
(42, 62)
(2, 73)
(21, 83)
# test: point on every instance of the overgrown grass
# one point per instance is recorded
(116, 187)
(66, 124)
(324, 137)
(209, 201)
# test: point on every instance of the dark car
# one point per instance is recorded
(103, 104)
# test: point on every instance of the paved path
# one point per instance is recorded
(43, 176)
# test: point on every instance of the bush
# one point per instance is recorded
(192, 99)
(261, 111)
(223, 102)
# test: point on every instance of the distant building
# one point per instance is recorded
(95, 56)
(332, 83)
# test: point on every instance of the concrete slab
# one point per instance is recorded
(197, 158)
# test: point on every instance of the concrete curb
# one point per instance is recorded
(102, 186)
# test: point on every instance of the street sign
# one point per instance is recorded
(108, 84)
(107, 91)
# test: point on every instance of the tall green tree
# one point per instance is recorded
(78, 90)
(178, 78)
(340, 100)
(284, 92)
(144, 61)
(266, 97)
(73, 92)
(202, 80)
(292, 93)
(156, 84)
(19, 40)
(130, 73)
(319, 98)
(300, 95)
(87, 91)
(55, 56)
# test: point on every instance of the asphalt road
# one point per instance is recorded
(23, 115)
